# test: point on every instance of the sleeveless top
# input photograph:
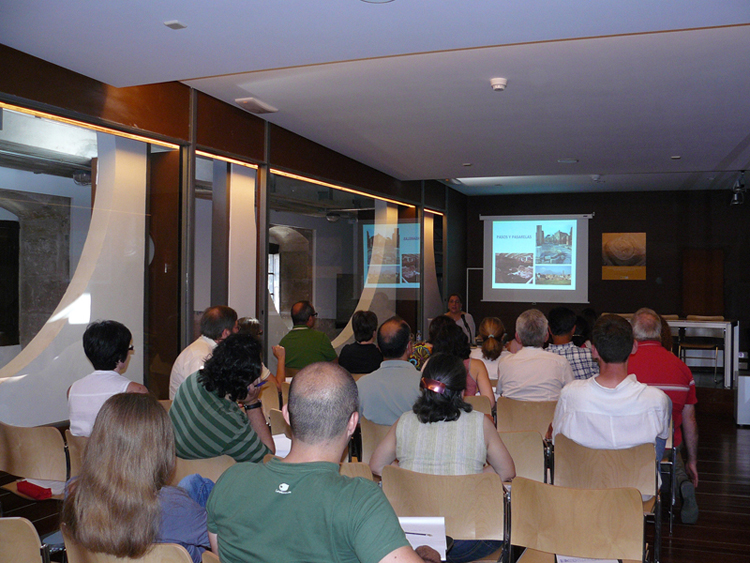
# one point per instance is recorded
(87, 396)
(471, 385)
(442, 448)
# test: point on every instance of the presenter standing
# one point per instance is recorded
(463, 319)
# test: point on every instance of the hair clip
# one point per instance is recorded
(490, 336)
(432, 385)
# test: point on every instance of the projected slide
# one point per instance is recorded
(534, 253)
(391, 255)
(536, 259)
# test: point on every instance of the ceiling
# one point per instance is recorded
(641, 95)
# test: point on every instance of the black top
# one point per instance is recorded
(360, 358)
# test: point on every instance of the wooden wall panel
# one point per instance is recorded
(229, 129)
(703, 281)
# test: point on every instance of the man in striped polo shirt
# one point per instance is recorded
(217, 410)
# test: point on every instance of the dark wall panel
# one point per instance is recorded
(292, 152)
(457, 244)
(229, 129)
(672, 221)
(157, 108)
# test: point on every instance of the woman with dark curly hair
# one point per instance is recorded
(444, 436)
(452, 340)
(217, 410)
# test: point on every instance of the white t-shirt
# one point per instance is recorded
(87, 396)
(532, 374)
(189, 361)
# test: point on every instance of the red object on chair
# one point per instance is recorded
(34, 491)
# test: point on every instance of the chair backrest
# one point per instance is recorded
(20, 541)
(76, 447)
(35, 452)
(602, 524)
(159, 553)
(210, 468)
(209, 557)
(356, 469)
(357, 376)
(480, 403)
(269, 396)
(472, 505)
(166, 403)
(372, 435)
(580, 467)
(524, 416)
(527, 451)
(278, 424)
(285, 393)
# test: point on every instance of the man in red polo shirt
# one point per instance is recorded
(654, 365)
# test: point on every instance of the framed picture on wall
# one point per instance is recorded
(623, 256)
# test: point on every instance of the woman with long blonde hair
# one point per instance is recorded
(120, 503)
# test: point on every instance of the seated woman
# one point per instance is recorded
(362, 356)
(120, 503)
(451, 340)
(251, 326)
(463, 319)
(492, 332)
(217, 410)
(421, 351)
(444, 436)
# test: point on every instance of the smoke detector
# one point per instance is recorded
(498, 84)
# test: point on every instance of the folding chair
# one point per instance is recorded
(480, 403)
(527, 416)
(356, 469)
(527, 451)
(278, 424)
(76, 445)
(20, 542)
(372, 435)
(549, 520)
(474, 506)
(159, 553)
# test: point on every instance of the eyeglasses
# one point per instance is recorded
(131, 348)
(315, 314)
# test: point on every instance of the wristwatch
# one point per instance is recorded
(252, 406)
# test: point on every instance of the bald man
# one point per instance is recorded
(303, 344)
(333, 518)
(389, 392)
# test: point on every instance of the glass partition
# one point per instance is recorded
(341, 251)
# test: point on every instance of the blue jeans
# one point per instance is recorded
(464, 551)
(199, 488)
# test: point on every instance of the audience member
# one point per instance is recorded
(654, 365)
(120, 502)
(107, 345)
(207, 419)
(451, 340)
(391, 390)
(442, 435)
(463, 319)
(363, 355)
(613, 410)
(532, 373)
(422, 350)
(331, 517)
(562, 325)
(252, 326)
(216, 324)
(492, 331)
(303, 344)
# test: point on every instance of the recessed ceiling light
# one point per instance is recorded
(467, 164)
(174, 24)
(676, 157)
(567, 160)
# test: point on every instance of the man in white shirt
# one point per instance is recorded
(532, 373)
(613, 410)
(216, 324)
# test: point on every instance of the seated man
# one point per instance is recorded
(207, 419)
(532, 373)
(216, 324)
(654, 365)
(303, 344)
(107, 345)
(389, 392)
(330, 517)
(613, 411)
(562, 327)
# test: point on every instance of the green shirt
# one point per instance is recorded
(206, 425)
(305, 346)
(274, 512)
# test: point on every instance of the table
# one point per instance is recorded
(731, 330)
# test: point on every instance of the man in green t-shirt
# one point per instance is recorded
(300, 508)
(303, 344)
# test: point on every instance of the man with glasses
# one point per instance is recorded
(303, 344)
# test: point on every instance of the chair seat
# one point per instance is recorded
(534, 556)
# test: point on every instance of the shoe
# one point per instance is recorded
(689, 512)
